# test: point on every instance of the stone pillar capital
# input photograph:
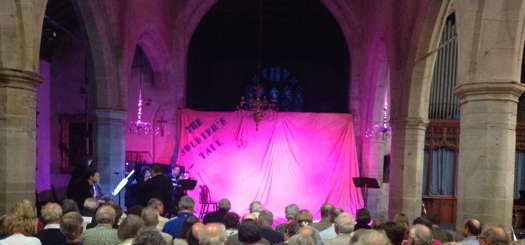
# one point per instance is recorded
(489, 91)
(20, 79)
(410, 123)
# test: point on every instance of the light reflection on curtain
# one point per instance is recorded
(441, 164)
(519, 173)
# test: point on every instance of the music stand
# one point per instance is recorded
(364, 182)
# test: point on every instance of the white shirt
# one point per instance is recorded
(19, 239)
(52, 226)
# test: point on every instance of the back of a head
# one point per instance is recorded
(402, 219)
(327, 210)
(304, 217)
(255, 206)
(344, 223)
(68, 205)
(265, 218)
(71, 225)
(21, 218)
(291, 211)
(129, 227)
(105, 215)
(213, 234)
(225, 205)
(231, 220)
(186, 203)
(301, 239)
(495, 235)
(421, 235)
(473, 226)
(187, 225)
(249, 232)
(149, 216)
(422, 221)
(369, 237)
(307, 231)
(149, 236)
(155, 203)
(51, 213)
(363, 216)
(91, 204)
(291, 228)
(155, 168)
(395, 232)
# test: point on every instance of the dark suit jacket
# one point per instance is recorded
(273, 236)
(159, 187)
(51, 237)
(214, 217)
(82, 191)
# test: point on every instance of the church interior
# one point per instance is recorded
(433, 88)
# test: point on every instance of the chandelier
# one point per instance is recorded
(257, 105)
(380, 128)
(140, 127)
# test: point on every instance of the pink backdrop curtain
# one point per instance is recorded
(302, 158)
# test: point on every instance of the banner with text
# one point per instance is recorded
(302, 158)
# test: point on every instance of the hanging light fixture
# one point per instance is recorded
(258, 103)
(139, 126)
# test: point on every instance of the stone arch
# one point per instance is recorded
(193, 12)
(104, 69)
(156, 51)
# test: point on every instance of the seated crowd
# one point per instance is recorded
(107, 224)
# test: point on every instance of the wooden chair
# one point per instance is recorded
(205, 201)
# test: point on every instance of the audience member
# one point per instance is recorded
(362, 219)
(378, 222)
(103, 233)
(213, 234)
(129, 229)
(301, 239)
(249, 232)
(21, 223)
(51, 214)
(290, 212)
(174, 226)
(290, 230)
(471, 231)
(149, 236)
(186, 230)
(344, 226)
(193, 239)
(395, 232)
(369, 237)
(3, 227)
(90, 207)
(327, 213)
(494, 235)
(420, 235)
(265, 222)
(71, 227)
(255, 208)
(437, 232)
(157, 204)
(304, 217)
(136, 210)
(151, 219)
(69, 205)
(231, 222)
(217, 216)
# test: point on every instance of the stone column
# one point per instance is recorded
(17, 136)
(376, 197)
(110, 147)
(486, 154)
(406, 169)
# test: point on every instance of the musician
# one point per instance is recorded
(158, 186)
(87, 187)
(177, 174)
